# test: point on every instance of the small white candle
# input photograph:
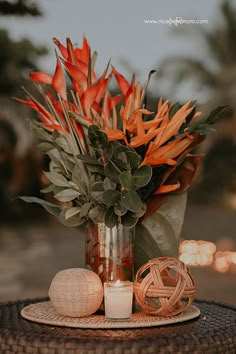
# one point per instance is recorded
(118, 300)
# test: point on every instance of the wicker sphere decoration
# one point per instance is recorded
(76, 292)
(161, 290)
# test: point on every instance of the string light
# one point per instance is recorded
(203, 253)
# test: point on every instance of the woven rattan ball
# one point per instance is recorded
(160, 292)
(76, 292)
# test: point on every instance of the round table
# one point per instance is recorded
(213, 332)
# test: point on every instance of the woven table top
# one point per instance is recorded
(213, 332)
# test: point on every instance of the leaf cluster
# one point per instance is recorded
(116, 180)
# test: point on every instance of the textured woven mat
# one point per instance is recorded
(213, 332)
(43, 312)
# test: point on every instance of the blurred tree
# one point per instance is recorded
(19, 8)
(217, 73)
(20, 164)
(17, 58)
(214, 75)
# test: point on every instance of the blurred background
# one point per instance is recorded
(192, 61)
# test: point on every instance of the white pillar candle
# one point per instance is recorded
(118, 300)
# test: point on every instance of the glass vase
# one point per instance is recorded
(110, 252)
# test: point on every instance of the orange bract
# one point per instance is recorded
(161, 133)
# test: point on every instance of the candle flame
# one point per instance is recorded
(117, 283)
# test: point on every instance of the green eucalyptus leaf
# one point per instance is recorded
(55, 135)
(203, 129)
(128, 221)
(71, 212)
(123, 157)
(41, 133)
(111, 171)
(97, 214)
(108, 184)
(85, 209)
(110, 218)
(110, 197)
(76, 178)
(45, 146)
(140, 213)
(131, 200)
(63, 144)
(217, 114)
(142, 176)
(51, 208)
(96, 191)
(119, 149)
(57, 179)
(127, 180)
(120, 165)
(67, 195)
(108, 151)
(134, 159)
(89, 159)
(96, 169)
(97, 138)
(56, 157)
(73, 221)
(68, 162)
(120, 209)
(102, 138)
(48, 189)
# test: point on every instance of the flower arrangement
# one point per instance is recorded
(112, 160)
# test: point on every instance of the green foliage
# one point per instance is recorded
(51, 208)
(114, 180)
(205, 127)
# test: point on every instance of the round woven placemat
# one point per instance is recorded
(214, 331)
(43, 312)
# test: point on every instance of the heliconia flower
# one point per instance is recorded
(83, 53)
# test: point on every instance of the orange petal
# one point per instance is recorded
(70, 50)
(122, 82)
(149, 160)
(167, 188)
(83, 53)
(52, 127)
(80, 134)
(114, 134)
(61, 47)
(131, 89)
(59, 81)
(27, 103)
(40, 108)
(174, 125)
(140, 128)
(142, 140)
(196, 115)
(76, 74)
(78, 88)
(92, 91)
(42, 77)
